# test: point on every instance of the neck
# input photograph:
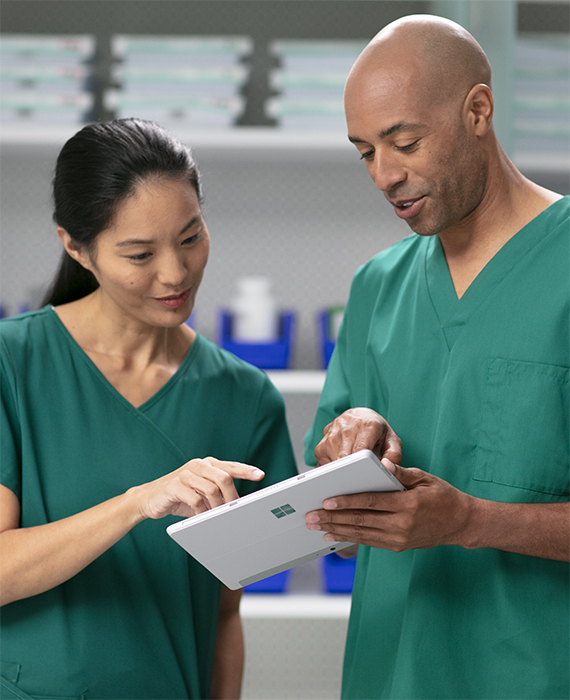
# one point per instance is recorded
(510, 201)
(102, 329)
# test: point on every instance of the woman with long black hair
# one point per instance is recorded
(106, 392)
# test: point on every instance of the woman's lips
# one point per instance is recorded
(406, 208)
(174, 301)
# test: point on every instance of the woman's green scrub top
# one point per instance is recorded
(477, 389)
(140, 621)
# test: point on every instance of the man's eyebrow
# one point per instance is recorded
(148, 241)
(396, 128)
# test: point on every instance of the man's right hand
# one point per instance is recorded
(358, 429)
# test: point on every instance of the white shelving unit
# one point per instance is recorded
(253, 138)
(298, 381)
(239, 137)
(294, 646)
(298, 607)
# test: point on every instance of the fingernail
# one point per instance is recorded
(330, 504)
(329, 538)
(386, 462)
(312, 517)
(258, 472)
(312, 526)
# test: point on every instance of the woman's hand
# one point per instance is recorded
(358, 429)
(35, 559)
(195, 487)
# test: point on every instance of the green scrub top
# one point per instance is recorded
(140, 621)
(477, 389)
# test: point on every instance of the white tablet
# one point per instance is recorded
(264, 533)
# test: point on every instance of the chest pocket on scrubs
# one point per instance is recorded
(524, 435)
(9, 691)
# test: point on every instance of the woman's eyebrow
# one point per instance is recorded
(149, 241)
(193, 220)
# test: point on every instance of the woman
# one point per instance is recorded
(105, 393)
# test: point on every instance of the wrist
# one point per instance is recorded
(475, 517)
(133, 500)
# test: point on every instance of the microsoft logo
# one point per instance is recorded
(283, 511)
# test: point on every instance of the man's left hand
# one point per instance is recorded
(429, 513)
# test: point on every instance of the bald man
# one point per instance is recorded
(452, 365)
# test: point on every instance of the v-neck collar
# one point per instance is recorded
(155, 398)
(453, 312)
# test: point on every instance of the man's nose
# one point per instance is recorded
(386, 170)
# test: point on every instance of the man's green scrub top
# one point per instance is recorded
(477, 389)
(140, 621)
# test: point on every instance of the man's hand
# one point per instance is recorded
(429, 513)
(358, 429)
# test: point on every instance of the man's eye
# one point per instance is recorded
(366, 155)
(409, 146)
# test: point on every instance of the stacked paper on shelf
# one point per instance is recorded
(46, 79)
(310, 82)
(179, 81)
(542, 95)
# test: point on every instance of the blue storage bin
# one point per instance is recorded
(272, 584)
(327, 345)
(338, 573)
(327, 342)
(275, 355)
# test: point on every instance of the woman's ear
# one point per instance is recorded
(74, 250)
(479, 109)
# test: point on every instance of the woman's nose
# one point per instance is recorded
(172, 269)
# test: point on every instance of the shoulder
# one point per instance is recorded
(396, 261)
(397, 256)
(17, 332)
(217, 364)
(557, 216)
(231, 382)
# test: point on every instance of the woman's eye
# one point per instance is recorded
(191, 239)
(139, 257)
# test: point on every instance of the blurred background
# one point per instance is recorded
(255, 87)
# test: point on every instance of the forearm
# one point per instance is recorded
(431, 512)
(229, 656)
(534, 529)
(36, 559)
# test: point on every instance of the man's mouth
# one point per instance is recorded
(407, 208)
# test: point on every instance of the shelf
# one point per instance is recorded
(298, 381)
(317, 606)
(535, 162)
(252, 138)
(239, 137)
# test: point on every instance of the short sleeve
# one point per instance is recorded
(335, 398)
(270, 446)
(10, 433)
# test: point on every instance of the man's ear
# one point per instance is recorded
(73, 249)
(478, 109)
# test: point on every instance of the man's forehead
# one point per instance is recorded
(394, 98)
(397, 128)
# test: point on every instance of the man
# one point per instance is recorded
(454, 341)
